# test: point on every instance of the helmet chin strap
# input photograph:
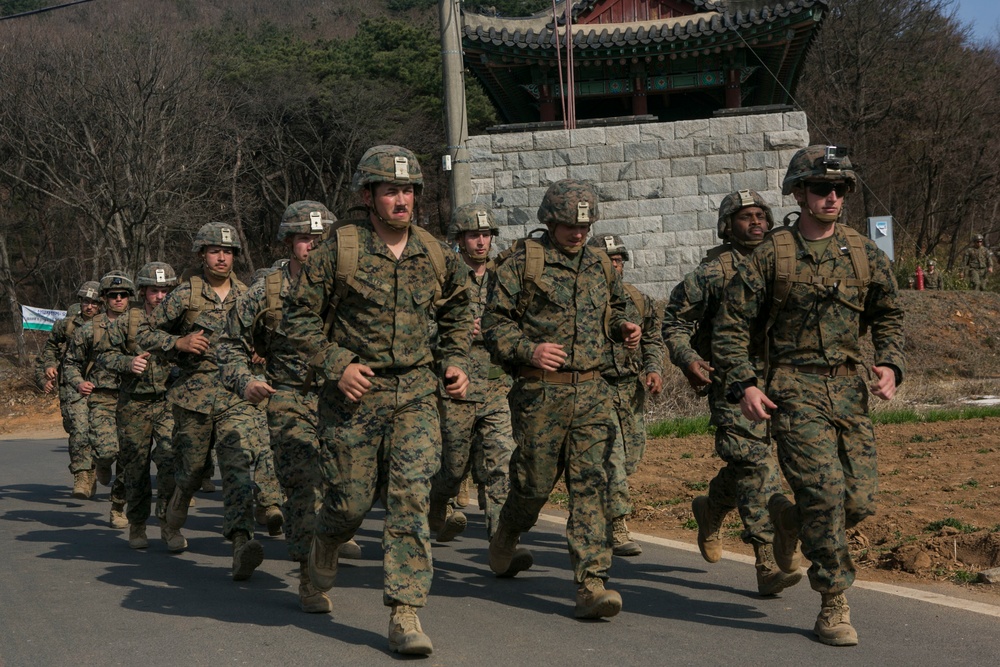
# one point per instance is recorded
(395, 224)
(824, 217)
(746, 247)
(218, 274)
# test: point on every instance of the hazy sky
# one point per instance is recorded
(984, 16)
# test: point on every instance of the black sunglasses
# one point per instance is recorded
(824, 189)
(118, 295)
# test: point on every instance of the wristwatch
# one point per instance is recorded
(736, 390)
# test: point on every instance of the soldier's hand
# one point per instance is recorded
(884, 385)
(755, 405)
(49, 386)
(631, 335)
(548, 356)
(51, 373)
(139, 363)
(456, 382)
(195, 342)
(257, 390)
(354, 382)
(654, 383)
(85, 388)
(257, 360)
(697, 374)
(476, 324)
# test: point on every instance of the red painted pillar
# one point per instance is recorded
(734, 94)
(546, 107)
(639, 97)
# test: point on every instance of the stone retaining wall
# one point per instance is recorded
(660, 183)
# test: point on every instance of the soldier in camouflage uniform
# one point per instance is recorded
(185, 328)
(563, 413)
(977, 264)
(834, 285)
(750, 474)
(378, 410)
(72, 404)
(291, 393)
(630, 373)
(475, 430)
(143, 413)
(932, 277)
(100, 386)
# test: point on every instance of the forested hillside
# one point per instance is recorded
(126, 125)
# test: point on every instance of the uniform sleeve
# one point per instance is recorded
(684, 310)
(652, 337)
(884, 314)
(116, 358)
(236, 343)
(742, 305)
(500, 326)
(454, 316)
(77, 354)
(49, 356)
(619, 302)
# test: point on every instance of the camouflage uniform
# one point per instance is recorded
(205, 413)
(976, 264)
(391, 437)
(933, 280)
(144, 417)
(565, 423)
(89, 342)
(72, 404)
(826, 445)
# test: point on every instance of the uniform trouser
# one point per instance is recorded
(392, 439)
(292, 420)
(230, 431)
(977, 279)
(477, 436)
(629, 398)
(144, 420)
(567, 430)
(264, 475)
(750, 474)
(76, 422)
(826, 448)
(104, 436)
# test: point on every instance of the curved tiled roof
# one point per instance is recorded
(536, 32)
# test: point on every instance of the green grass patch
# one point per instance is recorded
(935, 526)
(680, 427)
(963, 577)
(690, 524)
(910, 416)
(696, 486)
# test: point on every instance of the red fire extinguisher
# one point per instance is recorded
(920, 278)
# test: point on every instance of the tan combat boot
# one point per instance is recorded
(137, 536)
(833, 625)
(349, 549)
(118, 518)
(595, 601)
(506, 559)
(784, 517)
(207, 486)
(248, 554)
(622, 543)
(312, 600)
(274, 520)
(177, 509)
(323, 563)
(770, 579)
(446, 523)
(405, 634)
(462, 499)
(709, 516)
(176, 542)
(82, 485)
(104, 472)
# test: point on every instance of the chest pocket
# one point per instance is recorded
(370, 290)
(549, 296)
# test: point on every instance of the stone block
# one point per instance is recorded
(587, 172)
(535, 160)
(769, 122)
(652, 169)
(681, 223)
(709, 219)
(796, 120)
(627, 208)
(644, 151)
(525, 178)
(691, 128)
(512, 197)
(503, 180)
(786, 139)
(482, 186)
(711, 145)
(485, 169)
(551, 175)
(600, 154)
(680, 186)
(508, 143)
(746, 143)
(478, 142)
(659, 206)
(644, 189)
(613, 192)
(653, 240)
(568, 156)
(751, 180)
(535, 196)
(724, 164)
(622, 134)
(761, 159)
(696, 238)
(677, 148)
(725, 127)
(656, 131)
(525, 216)
(588, 136)
(618, 171)
(687, 166)
(617, 226)
(551, 139)
(650, 224)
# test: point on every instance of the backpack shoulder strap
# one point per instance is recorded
(784, 272)
(347, 265)
(134, 320)
(436, 256)
(272, 299)
(534, 264)
(859, 258)
(637, 298)
(196, 301)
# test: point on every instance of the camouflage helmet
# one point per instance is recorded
(156, 274)
(90, 290)
(217, 234)
(932, 262)
(819, 163)
(472, 218)
(611, 244)
(977, 238)
(305, 217)
(569, 201)
(388, 164)
(117, 281)
(735, 202)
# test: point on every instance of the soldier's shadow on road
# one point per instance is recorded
(46, 494)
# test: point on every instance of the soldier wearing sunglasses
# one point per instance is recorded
(809, 292)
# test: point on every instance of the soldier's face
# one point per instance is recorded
(89, 308)
(391, 202)
(153, 296)
(571, 238)
(217, 259)
(750, 224)
(618, 262)
(117, 301)
(301, 245)
(823, 200)
(477, 244)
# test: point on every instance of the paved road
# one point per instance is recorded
(73, 593)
